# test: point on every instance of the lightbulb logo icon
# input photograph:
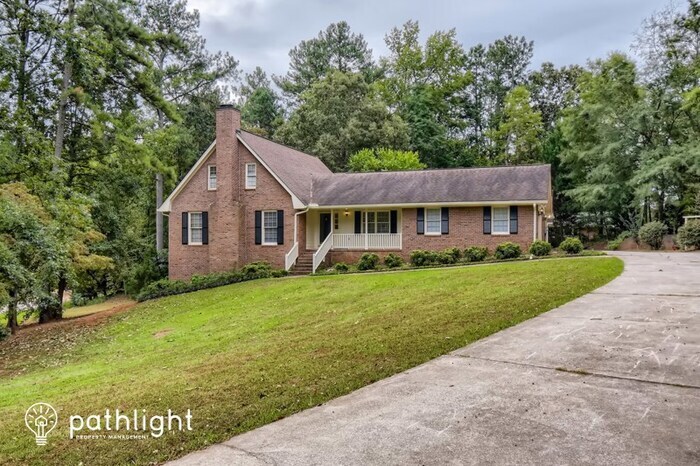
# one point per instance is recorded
(41, 419)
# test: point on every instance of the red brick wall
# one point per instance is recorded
(268, 195)
(231, 210)
(466, 229)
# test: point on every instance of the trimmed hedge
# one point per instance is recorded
(368, 261)
(167, 287)
(341, 267)
(689, 235)
(571, 246)
(540, 248)
(392, 260)
(476, 254)
(652, 234)
(507, 250)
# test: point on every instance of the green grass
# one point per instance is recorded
(245, 355)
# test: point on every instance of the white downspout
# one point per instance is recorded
(534, 222)
(296, 221)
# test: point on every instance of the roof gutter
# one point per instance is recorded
(528, 202)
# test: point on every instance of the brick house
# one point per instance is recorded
(250, 199)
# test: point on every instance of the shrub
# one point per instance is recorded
(4, 332)
(507, 250)
(689, 235)
(341, 267)
(368, 261)
(419, 257)
(455, 254)
(540, 248)
(476, 254)
(652, 234)
(167, 287)
(392, 260)
(614, 244)
(571, 245)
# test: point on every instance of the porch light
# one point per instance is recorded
(346, 213)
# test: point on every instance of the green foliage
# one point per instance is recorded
(689, 235)
(167, 287)
(517, 138)
(262, 111)
(334, 49)
(615, 244)
(420, 257)
(540, 248)
(476, 253)
(393, 260)
(455, 254)
(368, 261)
(652, 234)
(4, 333)
(341, 267)
(340, 115)
(571, 246)
(382, 159)
(507, 250)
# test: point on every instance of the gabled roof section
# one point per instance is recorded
(167, 204)
(450, 186)
(293, 168)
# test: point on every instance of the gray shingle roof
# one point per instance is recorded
(491, 184)
(293, 167)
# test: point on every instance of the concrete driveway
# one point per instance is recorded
(610, 378)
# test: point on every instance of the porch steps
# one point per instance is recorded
(304, 264)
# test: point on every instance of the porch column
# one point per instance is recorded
(534, 222)
(366, 231)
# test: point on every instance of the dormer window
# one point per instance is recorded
(212, 178)
(251, 178)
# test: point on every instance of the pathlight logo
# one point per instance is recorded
(41, 419)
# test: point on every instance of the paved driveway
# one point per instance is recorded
(610, 378)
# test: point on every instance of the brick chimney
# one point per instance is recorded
(224, 236)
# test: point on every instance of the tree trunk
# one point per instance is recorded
(12, 313)
(63, 102)
(159, 215)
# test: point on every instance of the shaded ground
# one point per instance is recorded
(610, 378)
(33, 340)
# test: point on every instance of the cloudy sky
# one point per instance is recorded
(261, 32)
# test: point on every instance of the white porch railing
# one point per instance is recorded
(321, 252)
(291, 257)
(371, 241)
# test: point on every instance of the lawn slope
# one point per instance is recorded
(245, 355)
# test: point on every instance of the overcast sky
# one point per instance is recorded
(261, 32)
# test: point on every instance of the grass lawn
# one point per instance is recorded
(245, 355)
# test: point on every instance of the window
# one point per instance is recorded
(251, 178)
(376, 222)
(269, 227)
(195, 228)
(501, 225)
(212, 178)
(433, 220)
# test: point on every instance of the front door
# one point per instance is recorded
(325, 226)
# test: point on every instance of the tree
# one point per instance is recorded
(334, 49)
(381, 159)
(254, 81)
(421, 84)
(261, 112)
(340, 115)
(517, 139)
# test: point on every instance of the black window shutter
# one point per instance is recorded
(513, 219)
(358, 222)
(420, 220)
(393, 217)
(205, 227)
(184, 228)
(445, 227)
(258, 227)
(487, 220)
(280, 227)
